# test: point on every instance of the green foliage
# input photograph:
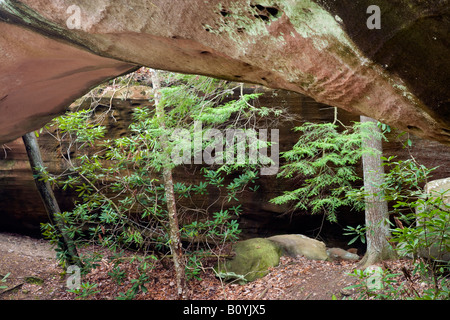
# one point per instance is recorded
(388, 286)
(422, 229)
(118, 275)
(387, 289)
(438, 277)
(358, 233)
(387, 129)
(404, 179)
(325, 158)
(427, 229)
(425, 218)
(85, 291)
(79, 123)
(3, 280)
(138, 284)
(426, 234)
(194, 267)
(121, 198)
(220, 228)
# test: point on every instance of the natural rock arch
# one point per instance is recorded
(53, 52)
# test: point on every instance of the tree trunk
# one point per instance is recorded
(174, 229)
(48, 198)
(376, 211)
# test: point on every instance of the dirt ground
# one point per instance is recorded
(30, 272)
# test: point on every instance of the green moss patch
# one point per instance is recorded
(252, 260)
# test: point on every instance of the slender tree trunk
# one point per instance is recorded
(48, 197)
(174, 229)
(376, 212)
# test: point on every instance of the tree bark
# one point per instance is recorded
(48, 197)
(376, 209)
(174, 228)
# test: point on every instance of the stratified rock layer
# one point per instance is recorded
(21, 209)
(54, 51)
(299, 245)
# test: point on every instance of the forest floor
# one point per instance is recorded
(31, 272)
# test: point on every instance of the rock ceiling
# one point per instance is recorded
(52, 52)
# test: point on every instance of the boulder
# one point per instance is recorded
(252, 260)
(299, 245)
(341, 254)
(439, 244)
(439, 187)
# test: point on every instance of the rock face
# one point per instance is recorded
(53, 52)
(21, 208)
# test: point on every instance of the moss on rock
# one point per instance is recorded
(252, 260)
